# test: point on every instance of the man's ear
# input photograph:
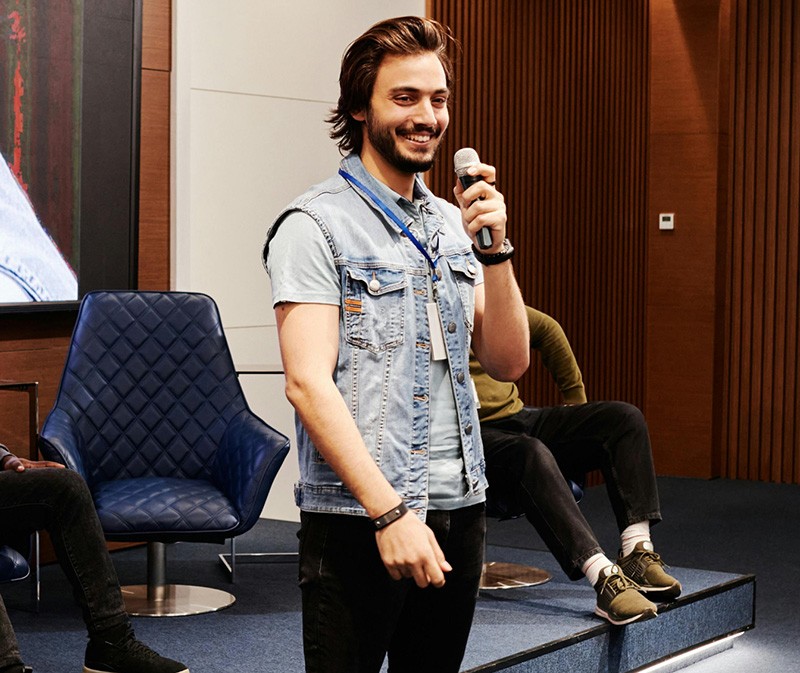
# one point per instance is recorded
(359, 116)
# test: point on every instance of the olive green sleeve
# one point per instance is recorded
(549, 339)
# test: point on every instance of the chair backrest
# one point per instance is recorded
(149, 384)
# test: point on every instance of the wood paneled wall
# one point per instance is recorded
(760, 373)
(600, 118)
(555, 94)
(685, 177)
(154, 182)
(33, 346)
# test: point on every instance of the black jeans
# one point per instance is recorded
(529, 455)
(58, 501)
(354, 613)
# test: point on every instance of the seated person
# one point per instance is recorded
(37, 495)
(529, 452)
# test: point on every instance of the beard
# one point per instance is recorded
(387, 145)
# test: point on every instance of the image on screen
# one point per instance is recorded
(69, 87)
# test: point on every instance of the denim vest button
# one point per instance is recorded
(460, 377)
(451, 327)
(374, 285)
(468, 429)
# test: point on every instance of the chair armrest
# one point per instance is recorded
(59, 441)
(248, 458)
(13, 565)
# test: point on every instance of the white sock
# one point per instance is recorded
(593, 565)
(636, 532)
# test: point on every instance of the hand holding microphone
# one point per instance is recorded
(463, 160)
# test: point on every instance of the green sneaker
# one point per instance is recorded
(619, 600)
(646, 568)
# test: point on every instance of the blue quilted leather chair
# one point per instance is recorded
(15, 562)
(151, 413)
(13, 565)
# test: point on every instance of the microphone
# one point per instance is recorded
(462, 160)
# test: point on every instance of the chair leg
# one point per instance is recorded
(229, 560)
(159, 599)
(37, 571)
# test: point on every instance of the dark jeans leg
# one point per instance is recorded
(441, 619)
(350, 603)
(59, 502)
(354, 612)
(9, 648)
(609, 436)
(525, 476)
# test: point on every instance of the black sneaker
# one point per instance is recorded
(127, 656)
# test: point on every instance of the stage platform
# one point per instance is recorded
(541, 629)
(550, 628)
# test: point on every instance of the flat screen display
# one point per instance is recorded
(69, 125)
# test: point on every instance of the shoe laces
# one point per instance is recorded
(134, 646)
(618, 582)
(652, 557)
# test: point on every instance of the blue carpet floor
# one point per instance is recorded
(725, 527)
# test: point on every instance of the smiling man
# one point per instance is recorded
(379, 293)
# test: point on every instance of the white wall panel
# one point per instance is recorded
(252, 83)
(287, 48)
(243, 171)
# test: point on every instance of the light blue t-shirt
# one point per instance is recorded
(312, 278)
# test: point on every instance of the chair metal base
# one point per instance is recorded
(159, 599)
(173, 600)
(229, 560)
(511, 576)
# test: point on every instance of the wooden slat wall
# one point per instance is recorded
(761, 370)
(154, 205)
(686, 177)
(555, 94)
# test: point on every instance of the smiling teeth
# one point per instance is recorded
(419, 139)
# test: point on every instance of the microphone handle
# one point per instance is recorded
(484, 235)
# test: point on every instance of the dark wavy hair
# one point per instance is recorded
(401, 36)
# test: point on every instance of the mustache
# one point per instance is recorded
(434, 129)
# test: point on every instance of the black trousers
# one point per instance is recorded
(529, 455)
(354, 613)
(59, 501)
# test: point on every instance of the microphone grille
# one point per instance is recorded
(463, 159)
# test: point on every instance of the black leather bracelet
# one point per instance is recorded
(497, 258)
(390, 517)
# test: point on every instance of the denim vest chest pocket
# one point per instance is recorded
(465, 272)
(374, 307)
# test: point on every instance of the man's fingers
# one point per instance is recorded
(395, 573)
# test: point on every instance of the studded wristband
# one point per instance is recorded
(390, 517)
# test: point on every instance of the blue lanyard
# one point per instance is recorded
(393, 218)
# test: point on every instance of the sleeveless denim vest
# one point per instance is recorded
(383, 370)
